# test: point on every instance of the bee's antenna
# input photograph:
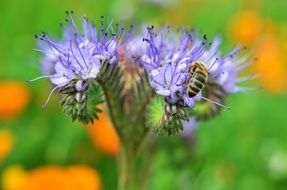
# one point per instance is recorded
(216, 103)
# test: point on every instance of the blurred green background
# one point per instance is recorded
(245, 148)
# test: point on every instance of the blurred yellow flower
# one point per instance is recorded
(6, 143)
(14, 98)
(271, 64)
(103, 135)
(52, 178)
(245, 27)
(13, 178)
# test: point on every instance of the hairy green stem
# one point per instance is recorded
(127, 110)
(127, 169)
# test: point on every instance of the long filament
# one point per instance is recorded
(41, 77)
(48, 99)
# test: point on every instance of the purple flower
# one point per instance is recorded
(226, 69)
(170, 55)
(80, 53)
(167, 61)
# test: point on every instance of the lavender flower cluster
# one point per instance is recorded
(169, 57)
(166, 57)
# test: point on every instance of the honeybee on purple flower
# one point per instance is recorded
(181, 65)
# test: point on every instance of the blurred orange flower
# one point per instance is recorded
(52, 178)
(270, 64)
(103, 135)
(6, 143)
(14, 98)
(245, 27)
(84, 178)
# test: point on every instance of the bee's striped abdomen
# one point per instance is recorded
(198, 79)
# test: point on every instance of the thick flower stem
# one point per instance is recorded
(127, 178)
(133, 164)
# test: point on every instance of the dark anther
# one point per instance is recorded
(61, 25)
(66, 20)
(113, 34)
(210, 43)
(152, 26)
(36, 36)
(72, 11)
(102, 17)
(67, 12)
(204, 37)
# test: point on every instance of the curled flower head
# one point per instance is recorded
(181, 66)
(79, 55)
(73, 62)
(168, 60)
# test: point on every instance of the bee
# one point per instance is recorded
(199, 76)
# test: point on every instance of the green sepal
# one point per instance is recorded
(171, 126)
(165, 118)
(155, 111)
(83, 109)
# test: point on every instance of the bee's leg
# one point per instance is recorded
(216, 103)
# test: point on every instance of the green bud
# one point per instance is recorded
(79, 100)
